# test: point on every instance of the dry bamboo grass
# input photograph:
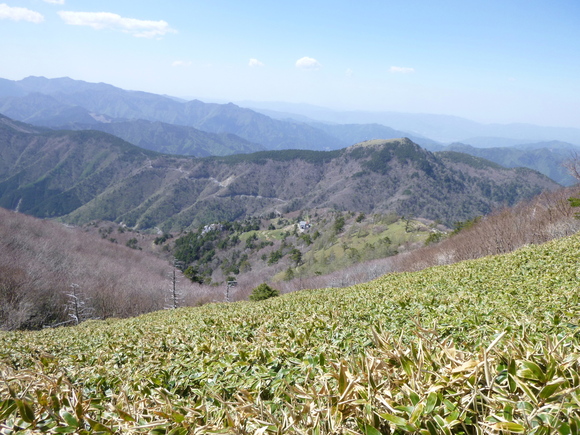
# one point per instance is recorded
(488, 346)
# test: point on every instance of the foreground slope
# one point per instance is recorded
(481, 346)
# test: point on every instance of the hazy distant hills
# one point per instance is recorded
(74, 104)
(355, 133)
(47, 102)
(286, 126)
(86, 175)
(545, 157)
(441, 128)
(40, 109)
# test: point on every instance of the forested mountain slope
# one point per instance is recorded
(545, 157)
(174, 139)
(86, 175)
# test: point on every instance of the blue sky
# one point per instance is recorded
(490, 61)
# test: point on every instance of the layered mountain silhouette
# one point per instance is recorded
(442, 128)
(169, 125)
(75, 104)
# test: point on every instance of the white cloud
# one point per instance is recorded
(107, 20)
(255, 62)
(349, 72)
(181, 63)
(308, 63)
(19, 14)
(55, 2)
(401, 70)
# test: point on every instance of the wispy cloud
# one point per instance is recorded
(401, 70)
(255, 62)
(19, 14)
(349, 72)
(55, 2)
(107, 20)
(308, 63)
(178, 63)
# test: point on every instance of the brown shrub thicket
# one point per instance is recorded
(40, 261)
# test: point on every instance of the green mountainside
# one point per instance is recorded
(281, 249)
(86, 175)
(50, 174)
(490, 343)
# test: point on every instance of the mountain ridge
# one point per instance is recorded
(65, 94)
(84, 175)
(173, 139)
(546, 157)
(69, 103)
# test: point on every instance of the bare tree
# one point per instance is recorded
(77, 308)
(175, 296)
(572, 164)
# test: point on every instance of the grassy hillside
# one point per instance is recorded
(484, 346)
(276, 249)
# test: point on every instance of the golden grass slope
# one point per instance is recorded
(483, 346)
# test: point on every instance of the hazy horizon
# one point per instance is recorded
(490, 62)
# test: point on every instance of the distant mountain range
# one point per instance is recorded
(64, 103)
(545, 157)
(67, 103)
(441, 128)
(169, 125)
(80, 176)
(355, 133)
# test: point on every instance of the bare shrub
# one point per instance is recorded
(39, 260)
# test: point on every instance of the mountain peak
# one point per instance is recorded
(383, 142)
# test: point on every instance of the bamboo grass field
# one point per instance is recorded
(483, 346)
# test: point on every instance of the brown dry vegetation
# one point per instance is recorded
(40, 260)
